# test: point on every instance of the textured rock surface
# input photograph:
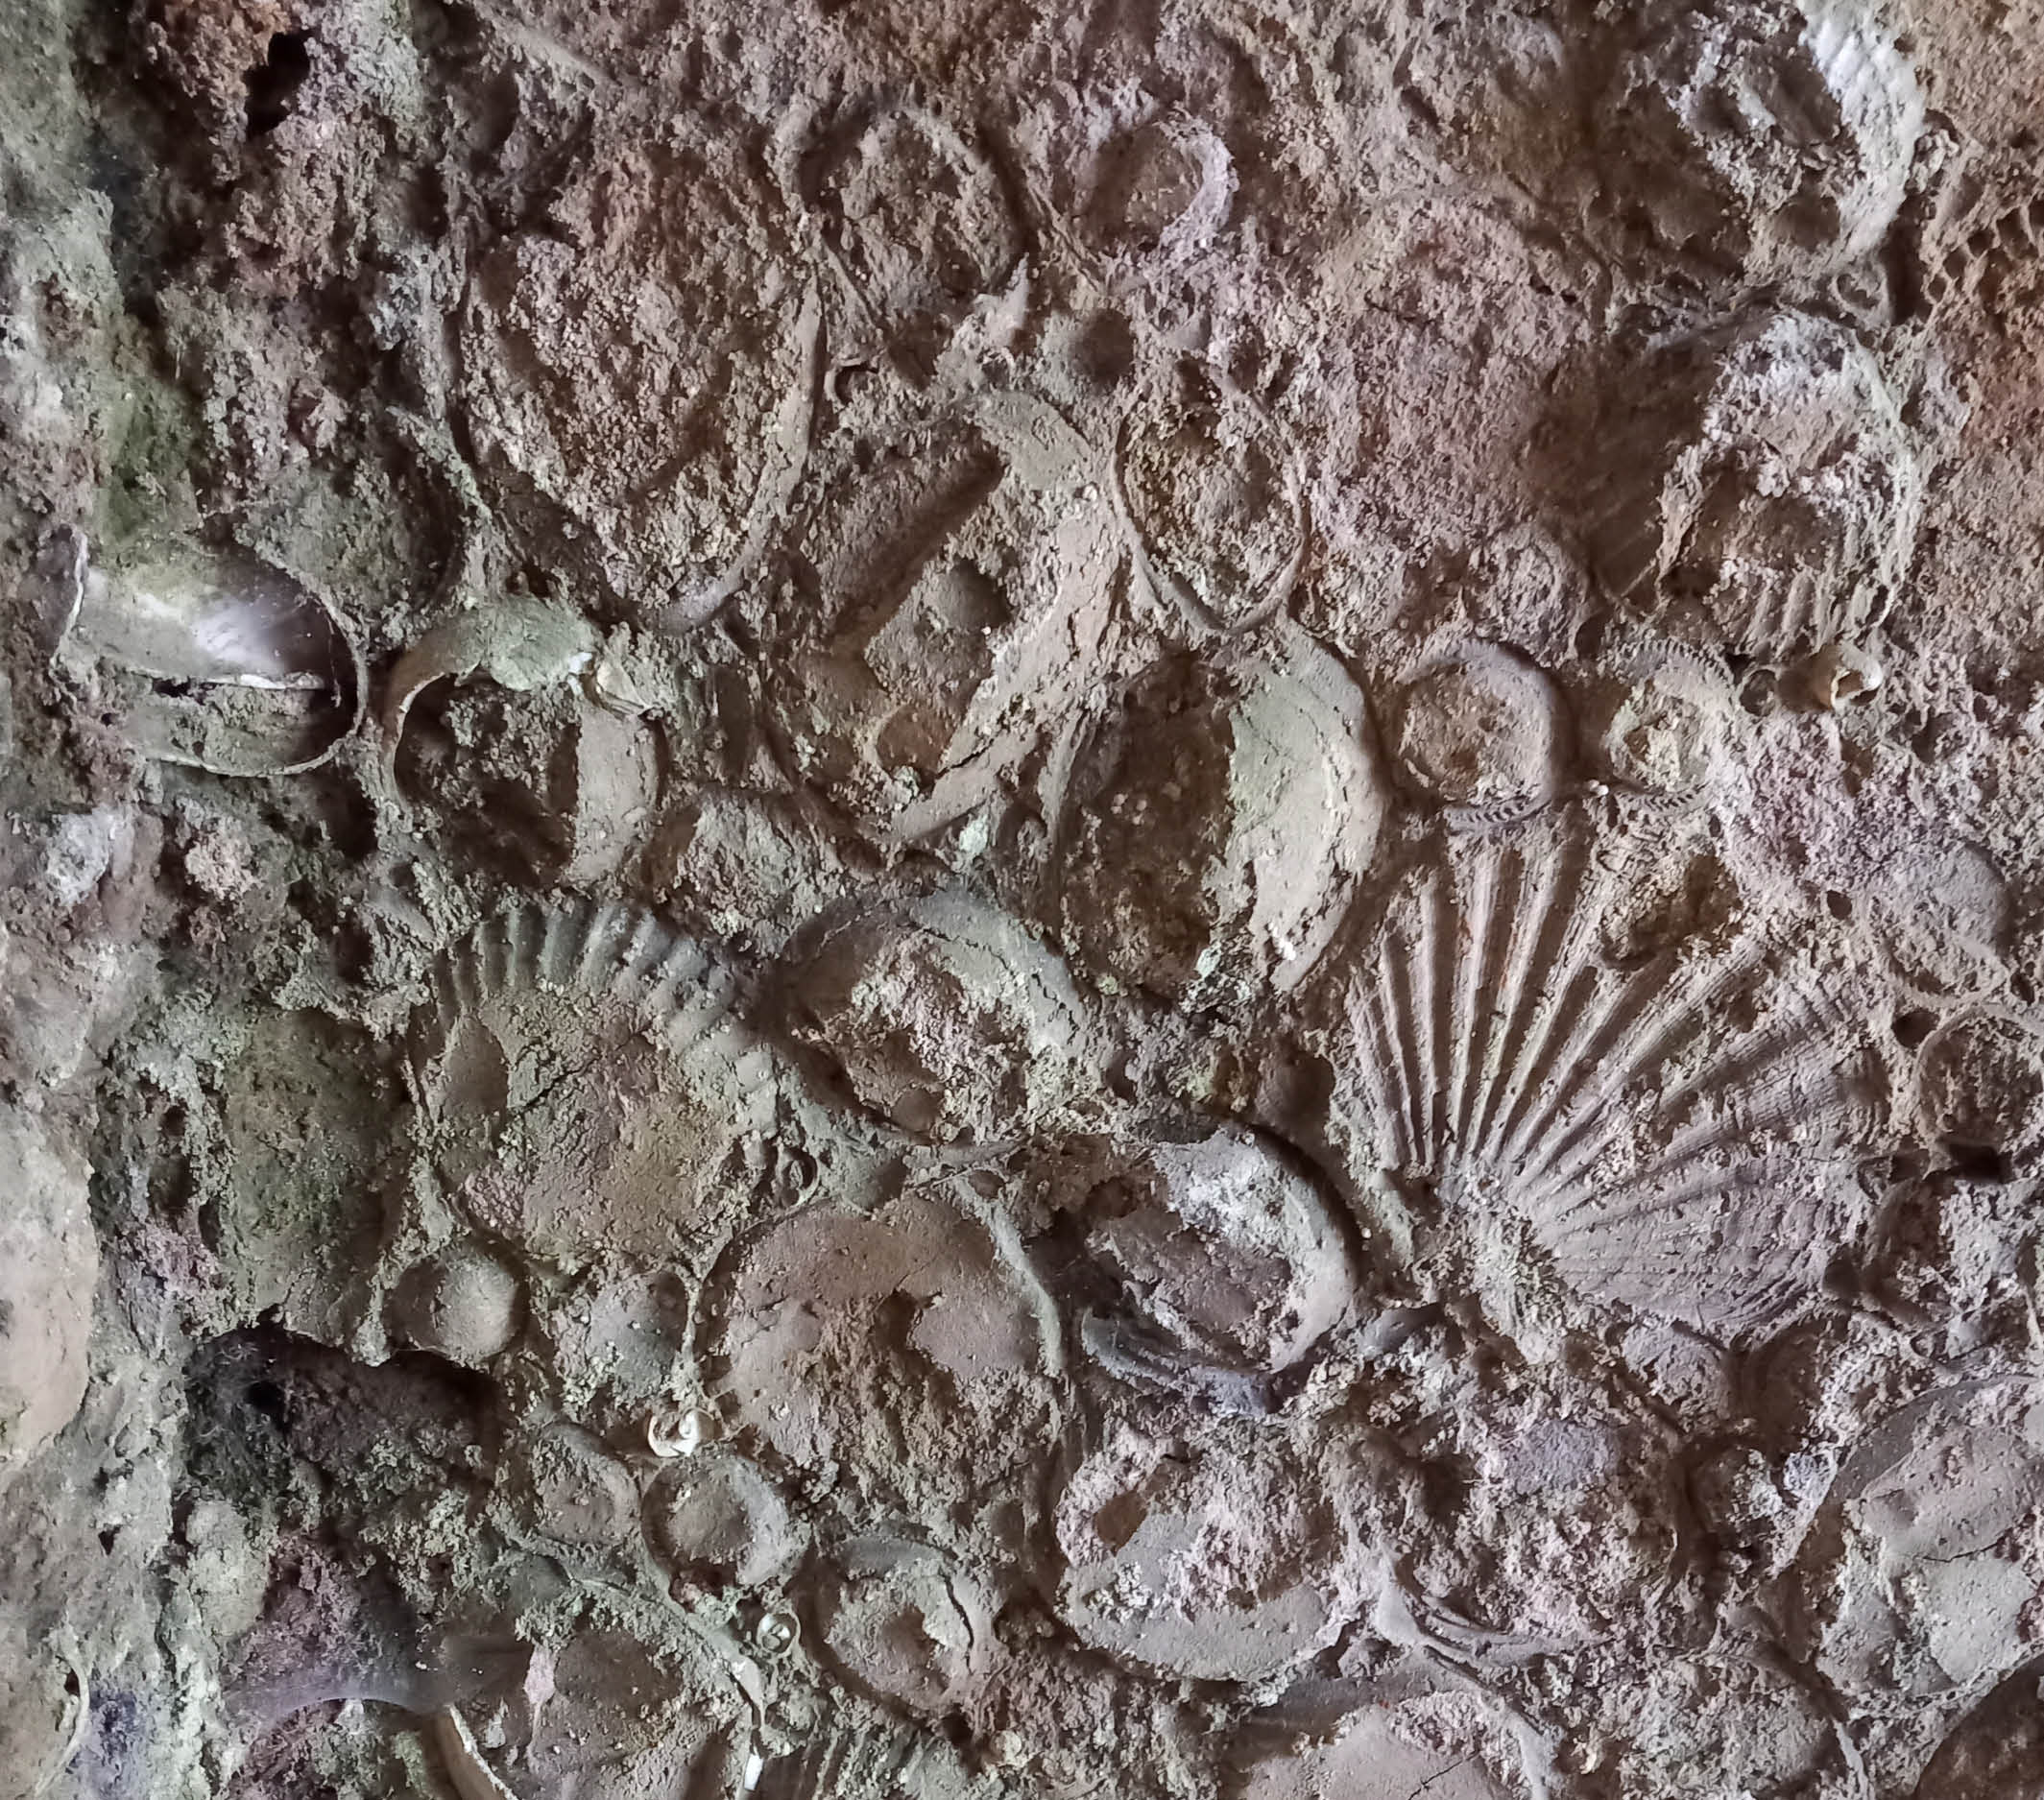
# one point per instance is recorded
(1008, 902)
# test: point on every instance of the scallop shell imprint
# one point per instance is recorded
(1220, 819)
(963, 581)
(584, 1087)
(905, 1624)
(1675, 1133)
(215, 659)
(639, 374)
(1762, 138)
(1660, 720)
(1215, 500)
(1768, 505)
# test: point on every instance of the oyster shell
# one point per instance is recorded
(216, 660)
(920, 219)
(1923, 1557)
(1218, 823)
(716, 1517)
(1660, 719)
(1676, 1133)
(585, 1087)
(463, 1303)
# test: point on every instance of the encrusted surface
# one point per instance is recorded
(1008, 902)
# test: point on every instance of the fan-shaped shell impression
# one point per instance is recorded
(911, 1337)
(216, 660)
(1219, 821)
(1767, 505)
(1922, 1565)
(1676, 1134)
(1223, 1560)
(1480, 731)
(1762, 138)
(49, 1267)
(961, 587)
(638, 369)
(1215, 498)
(585, 1087)
(946, 1018)
(1227, 1264)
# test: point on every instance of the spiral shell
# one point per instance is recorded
(585, 1087)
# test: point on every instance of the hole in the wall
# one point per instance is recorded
(1912, 1027)
(272, 84)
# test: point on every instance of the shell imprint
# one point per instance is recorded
(49, 1267)
(1220, 820)
(639, 371)
(947, 1018)
(1924, 1556)
(1215, 498)
(1765, 138)
(1228, 1264)
(1767, 505)
(917, 1328)
(1676, 1134)
(965, 582)
(216, 660)
(585, 1087)
(1224, 1560)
